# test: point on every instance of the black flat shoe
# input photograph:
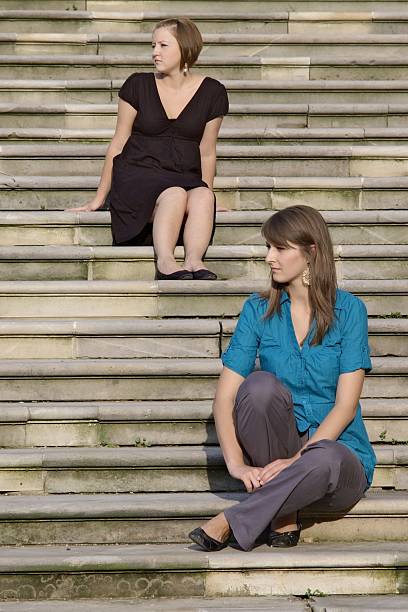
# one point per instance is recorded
(206, 542)
(260, 540)
(286, 539)
(179, 275)
(204, 274)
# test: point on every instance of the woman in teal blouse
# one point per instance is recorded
(293, 431)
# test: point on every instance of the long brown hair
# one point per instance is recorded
(188, 37)
(304, 226)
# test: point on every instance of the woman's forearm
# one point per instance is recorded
(231, 450)
(332, 426)
(208, 164)
(348, 393)
(106, 175)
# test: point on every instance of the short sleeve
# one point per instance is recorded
(355, 352)
(129, 91)
(241, 353)
(219, 103)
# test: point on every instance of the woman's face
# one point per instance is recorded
(166, 51)
(287, 263)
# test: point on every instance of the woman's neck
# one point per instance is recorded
(299, 294)
(175, 80)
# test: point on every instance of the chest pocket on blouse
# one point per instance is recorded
(327, 356)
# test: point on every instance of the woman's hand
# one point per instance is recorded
(248, 474)
(271, 470)
(90, 207)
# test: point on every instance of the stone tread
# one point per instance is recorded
(335, 603)
(359, 603)
(221, 252)
(147, 367)
(151, 411)
(225, 133)
(233, 217)
(252, 38)
(206, 60)
(143, 327)
(150, 366)
(158, 456)
(196, 604)
(230, 84)
(164, 505)
(64, 150)
(173, 557)
(250, 15)
(359, 287)
(225, 182)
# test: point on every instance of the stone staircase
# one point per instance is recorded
(109, 453)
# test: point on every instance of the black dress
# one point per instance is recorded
(160, 153)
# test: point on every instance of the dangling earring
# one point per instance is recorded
(306, 276)
(185, 69)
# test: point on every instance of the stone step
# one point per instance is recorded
(378, 21)
(32, 263)
(140, 338)
(176, 7)
(148, 470)
(178, 570)
(241, 92)
(315, 603)
(153, 423)
(228, 67)
(159, 518)
(232, 227)
(284, 160)
(194, 604)
(360, 603)
(119, 66)
(352, 194)
(131, 379)
(229, 136)
(314, 46)
(387, 336)
(168, 298)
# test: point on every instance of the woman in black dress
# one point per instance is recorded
(160, 165)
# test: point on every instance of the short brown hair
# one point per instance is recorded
(304, 226)
(188, 37)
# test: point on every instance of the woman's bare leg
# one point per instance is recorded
(168, 216)
(198, 228)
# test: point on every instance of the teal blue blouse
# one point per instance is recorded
(310, 372)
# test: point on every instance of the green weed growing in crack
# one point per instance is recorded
(315, 593)
(392, 315)
(142, 442)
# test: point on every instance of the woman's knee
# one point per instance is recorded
(325, 456)
(264, 392)
(200, 196)
(177, 195)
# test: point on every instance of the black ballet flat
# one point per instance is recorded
(204, 274)
(179, 275)
(206, 542)
(286, 539)
(260, 540)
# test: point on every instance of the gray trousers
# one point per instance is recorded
(327, 471)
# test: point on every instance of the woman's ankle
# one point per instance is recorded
(286, 523)
(167, 265)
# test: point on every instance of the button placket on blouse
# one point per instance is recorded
(301, 358)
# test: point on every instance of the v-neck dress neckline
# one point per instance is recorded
(184, 108)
